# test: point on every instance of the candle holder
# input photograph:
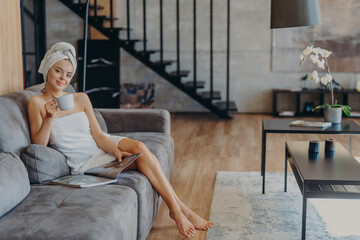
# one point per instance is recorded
(313, 146)
(330, 145)
(329, 155)
(313, 156)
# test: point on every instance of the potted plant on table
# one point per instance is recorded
(319, 56)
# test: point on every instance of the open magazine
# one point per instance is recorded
(100, 175)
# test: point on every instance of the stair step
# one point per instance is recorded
(108, 18)
(91, 6)
(147, 53)
(199, 84)
(99, 7)
(161, 65)
(101, 19)
(97, 19)
(181, 74)
(207, 95)
(222, 106)
(116, 29)
(135, 40)
(131, 42)
(165, 62)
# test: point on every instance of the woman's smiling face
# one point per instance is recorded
(60, 74)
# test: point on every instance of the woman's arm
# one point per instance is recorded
(40, 128)
(101, 140)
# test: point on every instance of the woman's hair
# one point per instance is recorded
(42, 88)
(57, 52)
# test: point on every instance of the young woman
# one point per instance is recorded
(77, 134)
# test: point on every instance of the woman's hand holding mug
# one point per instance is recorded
(51, 108)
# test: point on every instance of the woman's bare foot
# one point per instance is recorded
(198, 222)
(183, 224)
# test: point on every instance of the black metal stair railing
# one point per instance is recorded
(36, 15)
(161, 33)
(209, 99)
(86, 20)
(194, 51)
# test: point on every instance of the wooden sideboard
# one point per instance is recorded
(299, 103)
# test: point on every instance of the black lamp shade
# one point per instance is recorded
(294, 13)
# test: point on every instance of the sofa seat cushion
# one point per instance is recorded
(59, 212)
(148, 199)
(14, 182)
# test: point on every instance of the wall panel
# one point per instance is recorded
(11, 74)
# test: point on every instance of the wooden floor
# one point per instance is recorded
(205, 144)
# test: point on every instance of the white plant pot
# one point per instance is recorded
(333, 115)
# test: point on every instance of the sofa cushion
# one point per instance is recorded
(57, 212)
(44, 163)
(14, 182)
(101, 121)
(14, 127)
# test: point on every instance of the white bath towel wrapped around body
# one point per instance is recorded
(71, 135)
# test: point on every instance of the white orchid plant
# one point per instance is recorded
(319, 56)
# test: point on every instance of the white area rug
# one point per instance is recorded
(240, 211)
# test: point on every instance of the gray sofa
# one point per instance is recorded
(32, 209)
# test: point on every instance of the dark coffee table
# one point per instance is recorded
(336, 176)
(347, 127)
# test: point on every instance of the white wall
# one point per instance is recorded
(250, 71)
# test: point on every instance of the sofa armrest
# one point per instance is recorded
(136, 120)
(14, 182)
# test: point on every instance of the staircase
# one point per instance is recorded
(209, 99)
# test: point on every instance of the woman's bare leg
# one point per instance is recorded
(198, 222)
(150, 168)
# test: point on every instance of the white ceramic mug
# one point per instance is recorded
(65, 102)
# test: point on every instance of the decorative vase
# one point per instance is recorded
(333, 115)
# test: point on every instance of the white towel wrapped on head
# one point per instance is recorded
(59, 51)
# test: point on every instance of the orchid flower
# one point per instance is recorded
(308, 50)
(327, 53)
(320, 64)
(301, 57)
(319, 57)
(314, 58)
(315, 76)
(326, 79)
